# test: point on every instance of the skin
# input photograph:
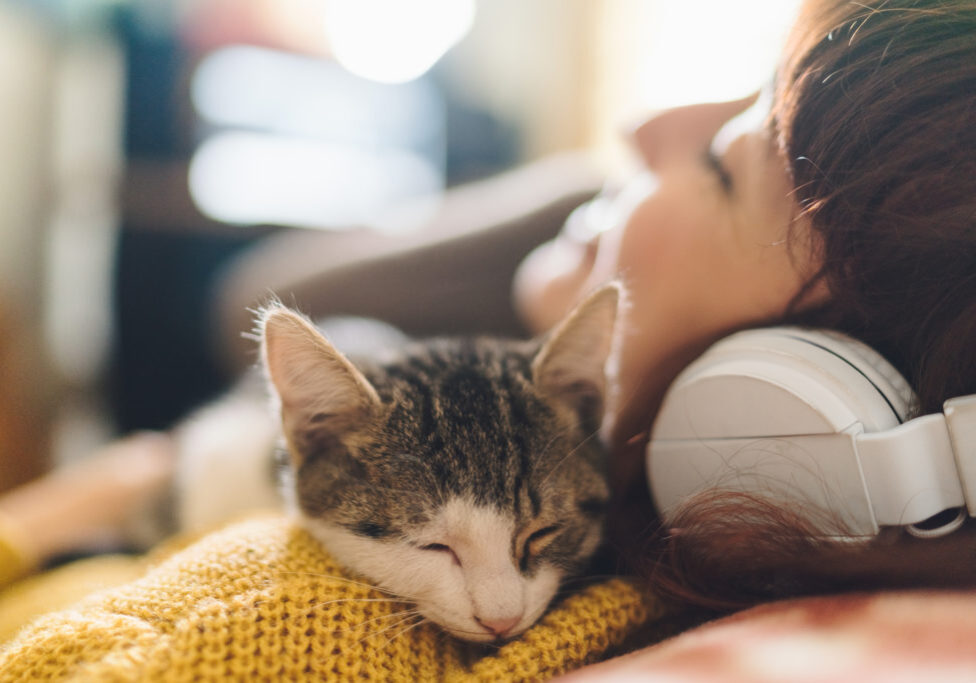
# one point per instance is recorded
(80, 504)
(702, 251)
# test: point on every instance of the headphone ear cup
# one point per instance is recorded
(752, 412)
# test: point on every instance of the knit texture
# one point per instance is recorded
(58, 588)
(14, 562)
(260, 600)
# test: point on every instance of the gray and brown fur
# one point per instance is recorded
(378, 449)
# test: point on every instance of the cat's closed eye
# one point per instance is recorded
(536, 542)
(442, 548)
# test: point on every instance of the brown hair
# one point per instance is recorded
(875, 107)
(875, 110)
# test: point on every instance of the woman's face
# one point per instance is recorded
(698, 235)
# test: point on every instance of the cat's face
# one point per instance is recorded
(466, 476)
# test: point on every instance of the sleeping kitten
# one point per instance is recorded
(464, 475)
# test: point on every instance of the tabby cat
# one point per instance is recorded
(464, 475)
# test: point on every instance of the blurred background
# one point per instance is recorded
(145, 144)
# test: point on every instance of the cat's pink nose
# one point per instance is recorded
(500, 626)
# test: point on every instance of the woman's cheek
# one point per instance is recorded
(672, 256)
(649, 252)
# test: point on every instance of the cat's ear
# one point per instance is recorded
(571, 365)
(319, 389)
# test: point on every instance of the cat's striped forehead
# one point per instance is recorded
(458, 420)
(462, 369)
(470, 416)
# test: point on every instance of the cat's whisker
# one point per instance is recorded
(343, 579)
(569, 455)
(403, 632)
(412, 614)
(558, 435)
(554, 438)
(395, 597)
(336, 601)
(400, 615)
(390, 627)
(404, 617)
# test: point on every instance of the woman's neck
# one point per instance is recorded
(638, 390)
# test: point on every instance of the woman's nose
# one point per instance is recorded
(673, 132)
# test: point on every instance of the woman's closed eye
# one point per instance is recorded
(715, 165)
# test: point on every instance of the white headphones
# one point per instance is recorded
(815, 420)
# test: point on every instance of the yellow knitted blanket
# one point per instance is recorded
(260, 600)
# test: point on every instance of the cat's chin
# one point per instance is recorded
(471, 636)
(483, 638)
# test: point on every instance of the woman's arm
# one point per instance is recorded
(76, 504)
(452, 276)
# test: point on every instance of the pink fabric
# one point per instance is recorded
(889, 638)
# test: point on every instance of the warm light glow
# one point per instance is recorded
(252, 178)
(711, 50)
(262, 89)
(305, 143)
(393, 41)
